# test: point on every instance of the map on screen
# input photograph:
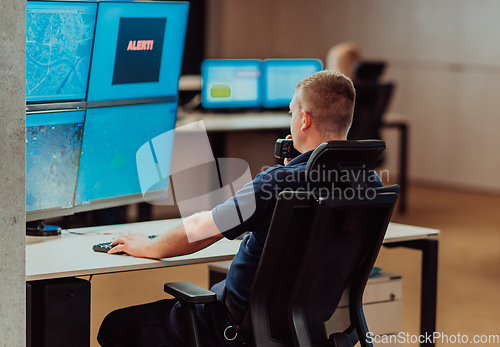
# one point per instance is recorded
(58, 47)
(53, 144)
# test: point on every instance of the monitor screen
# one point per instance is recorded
(231, 83)
(59, 39)
(281, 76)
(137, 50)
(53, 144)
(108, 173)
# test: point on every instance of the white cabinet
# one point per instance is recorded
(382, 306)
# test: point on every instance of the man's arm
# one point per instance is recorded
(197, 232)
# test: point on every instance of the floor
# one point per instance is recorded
(469, 262)
(469, 267)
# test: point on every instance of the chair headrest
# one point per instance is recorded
(369, 71)
(344, 161)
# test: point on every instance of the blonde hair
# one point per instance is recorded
(329, 97)
(343, 57)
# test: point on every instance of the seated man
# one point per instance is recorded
(321, 109)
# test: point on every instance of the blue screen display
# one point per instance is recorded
(281, 76)
(138, 50)
(111, 139)
(231, 83)
(53, 144)
(59, 39)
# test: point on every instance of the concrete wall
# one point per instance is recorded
(443, 56)
(12, 171)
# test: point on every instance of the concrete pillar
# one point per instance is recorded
(12, 172)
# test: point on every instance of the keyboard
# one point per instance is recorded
(106, 246)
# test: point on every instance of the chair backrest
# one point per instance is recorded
(347, 163)
(371, 103)
(316, 247)
(368, 71)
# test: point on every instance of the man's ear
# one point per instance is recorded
(306, 120)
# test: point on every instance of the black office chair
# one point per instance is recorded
(368, 71)
(317, 246)
(371, 104)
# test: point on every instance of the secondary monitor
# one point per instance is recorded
(137, 50)
(231, 83)
(281, 76)
(113, 135)
(53, 143)
(59, 38)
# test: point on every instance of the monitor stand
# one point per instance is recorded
(38, 228)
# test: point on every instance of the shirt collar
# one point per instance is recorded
(304, 157)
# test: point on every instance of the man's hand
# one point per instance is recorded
(200, 226)
(287, 160)
(131, 244)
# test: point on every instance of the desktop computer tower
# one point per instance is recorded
(28, 315)
(60, 313)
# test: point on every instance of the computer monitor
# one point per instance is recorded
(137, 52)
(229, 83)
(84, 160)
(53, 143)
(281, 76)
(59, 38)
(108, 173)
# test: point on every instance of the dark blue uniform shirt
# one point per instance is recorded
(261, 194)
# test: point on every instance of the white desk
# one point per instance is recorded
(401, 232)
(71, 254)
(238, 121)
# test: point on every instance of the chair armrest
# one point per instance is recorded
(189, 293)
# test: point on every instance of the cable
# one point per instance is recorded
(190, 106)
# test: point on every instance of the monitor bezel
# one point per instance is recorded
(32, 216)
(118, 201)
(278, 104)
(56, 107)
(125, 200)
(130, 102)
(207, 63)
